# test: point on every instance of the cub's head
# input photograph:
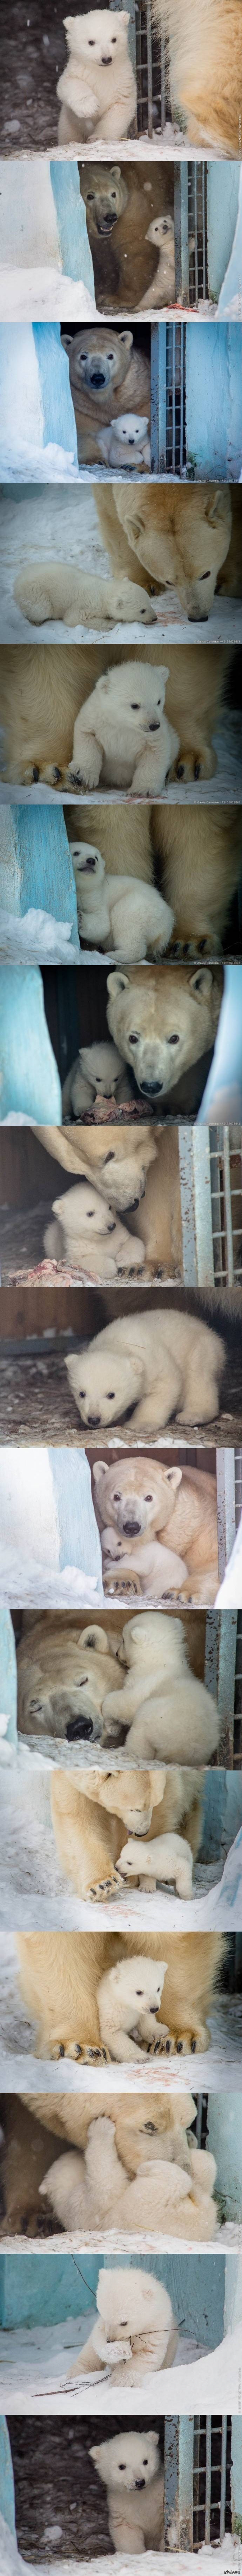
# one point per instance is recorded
(128, 2460)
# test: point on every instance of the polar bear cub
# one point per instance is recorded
(154, 1372)
(127, 442)
(165, 1708)
(162, 233)
(97, 88)
(154, 1864)
(128, 1999)
(122, 735)
(95, 1075)
(135, 2329)
(118, 912)
(84, 1232)
(128, 2465)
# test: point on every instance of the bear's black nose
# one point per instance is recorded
(97, 376)
(149, 1087)
(79, 1726)
(93, 1419)
(140, 2482)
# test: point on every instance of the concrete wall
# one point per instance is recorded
(44, 2288)
(214, 400)
(36, 867)
(222, 210)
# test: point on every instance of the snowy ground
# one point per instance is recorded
(217, 2069)
(225, 786)
(226, 2559)
(66, 524)
(33, 1884)
(50, 519)
(38, 2363)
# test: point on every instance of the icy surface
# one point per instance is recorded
(38, 939)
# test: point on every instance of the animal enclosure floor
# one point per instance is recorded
(224, 787)
(218, 2070)
(36, 1406)
(37, 2363)
(22, 1245)
(49, 520)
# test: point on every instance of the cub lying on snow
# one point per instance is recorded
(92, 2190)
(129, 2467)
(47, 591)
(61, 1973)
(97, 88)
(118, 912)
(127, 2344)
(176, 1369)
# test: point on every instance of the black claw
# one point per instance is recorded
(197, 769)
(61, 2049)
(193, 2047)
(35, 774)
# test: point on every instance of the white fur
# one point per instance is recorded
(128, 2001)
(128, 2465)
(126, 442)
(95, 1074)
(162, 233)
(153, 1367)
(83, 1231)
(164, 1706)
(113, 736)
(118, 912)
(167, 1858)
(93, 2190)
(97, 88)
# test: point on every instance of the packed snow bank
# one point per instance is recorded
(38, 937)
(35, 1584)
(44, 295)
(22, 462)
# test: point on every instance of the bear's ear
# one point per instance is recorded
(126, 336)
(117, 983)
(100, 1469)
(173, 1476)
(216, 504)
(95, 2451)
(201, 983)
(115, 173)
(94, 1636)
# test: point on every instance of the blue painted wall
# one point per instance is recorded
(8, 1675)
(222, 210)
(225, 2142)
(44, 2288)
(36, 839)
(58, 413)
(7, 2503)
(28, 1073)
(76, 257)
(214, 400)
(79, 1537)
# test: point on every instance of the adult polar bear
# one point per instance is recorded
(205, 52)
(187, 537)
(144, 2130)
(44, 689)
(61, 1971)
(93, 1813)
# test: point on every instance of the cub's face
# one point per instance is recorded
(129, 2461)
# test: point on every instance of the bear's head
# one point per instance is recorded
(163, 1025)
(128, 2460)
(105, 194)
(132, 2301)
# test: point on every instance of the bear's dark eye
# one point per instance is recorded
(173, 1041)
(90, 197)
(122, 2464)
(148, 1498)
(111, 353)
(91, 40)
(113, 190)
(144, 2464)
(117, 1498)
(82, 1390)
(150, 2125)
(135, 704)
(133, 1039)
(139, 1990)
(108, 1158)
(110, 1392)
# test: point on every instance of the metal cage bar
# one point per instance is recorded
(208, 2477)
(212, 2503)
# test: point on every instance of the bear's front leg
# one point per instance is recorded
(196, 758)
(85, 766)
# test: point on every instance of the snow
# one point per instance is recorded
(43, 2363)
(41, 1586)
(225, 2558)
(21, 461)
(218, 2068)
(38, 938)
(30, 1870)
(230, 1591)
(44, 295)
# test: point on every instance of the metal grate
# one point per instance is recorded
(226, 1198)
(211, 1205)
(211, 2479)
(152, 74)
(197, 232)
(175, 398)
